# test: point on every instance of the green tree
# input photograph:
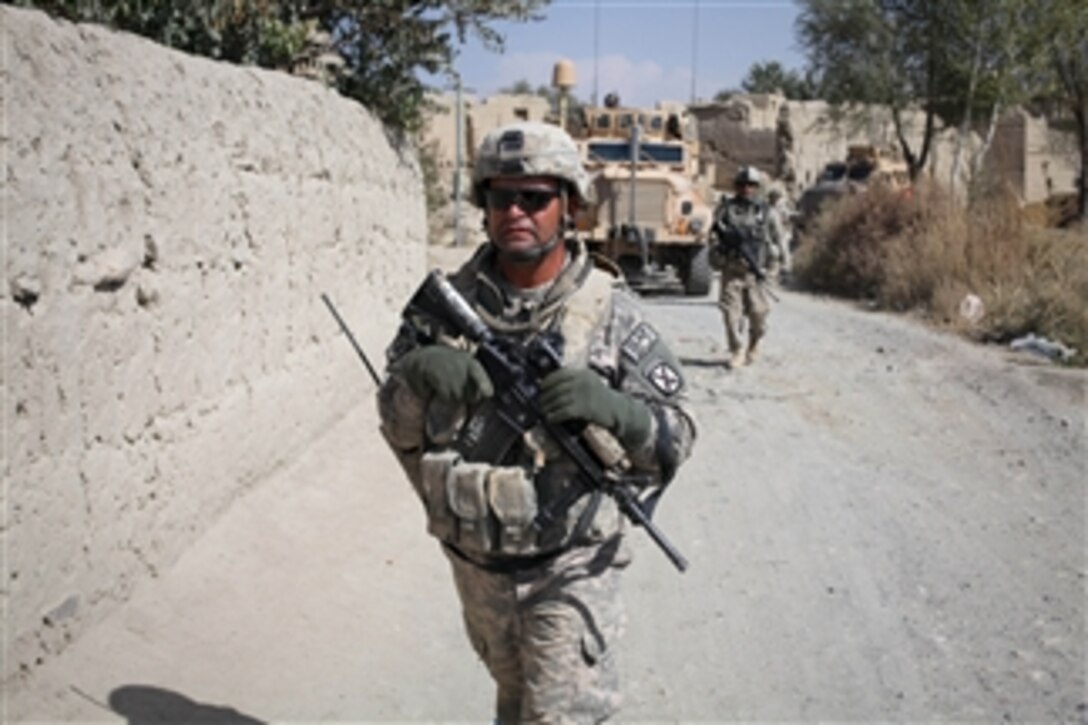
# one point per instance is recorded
(384, 44)
(524, 87)
(268, 34)
(771, 77)
(521, 87)
(1061, 80)
(962, 62)
(988, 51)
(725, 94)
(881, 52)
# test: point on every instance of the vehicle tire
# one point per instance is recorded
(697, 272)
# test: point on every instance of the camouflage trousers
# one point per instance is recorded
(548, 635)
(741, 296)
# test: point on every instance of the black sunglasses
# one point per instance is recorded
(529, 201)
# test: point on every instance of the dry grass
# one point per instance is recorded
(925, 253)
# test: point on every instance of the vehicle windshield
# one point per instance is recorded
(860, 171)
(621, 151)
(833, 172)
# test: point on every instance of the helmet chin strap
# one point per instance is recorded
(531, 256)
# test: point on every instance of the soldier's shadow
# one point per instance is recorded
(704, 362)
(145, 705)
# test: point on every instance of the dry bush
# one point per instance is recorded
(928, 255)
(843, 252)
(1045, 291)
(925, 253)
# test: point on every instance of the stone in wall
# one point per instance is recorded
(1032, 159)
(736, 134)
(170, 225)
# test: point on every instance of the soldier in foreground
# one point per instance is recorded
(744, 235)
(536, 553)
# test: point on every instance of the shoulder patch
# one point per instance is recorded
(639, 343)
(665, 379)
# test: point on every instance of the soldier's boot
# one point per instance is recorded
(753, 348)
(734, 340)
(736, 358)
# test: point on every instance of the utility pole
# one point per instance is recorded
(694, 49)
(457, 163)
(596, 44)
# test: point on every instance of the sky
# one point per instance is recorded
(645, 51)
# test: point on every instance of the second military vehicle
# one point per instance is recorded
(864, 165)
(653, 209)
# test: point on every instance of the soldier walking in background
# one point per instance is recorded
(781, 219)
(744, 237)
(536, 554)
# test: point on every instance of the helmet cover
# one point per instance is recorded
(748, 175)
(529, 148)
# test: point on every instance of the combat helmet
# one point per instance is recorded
(748, 175)
(530, 148)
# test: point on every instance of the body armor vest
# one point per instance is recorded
(489, 512)
(749, 219)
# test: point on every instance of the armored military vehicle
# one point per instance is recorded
(653, 209)
(864, 165)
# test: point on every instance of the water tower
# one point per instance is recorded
(563, 79)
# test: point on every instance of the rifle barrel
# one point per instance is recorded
(351, 339)
(630, 506)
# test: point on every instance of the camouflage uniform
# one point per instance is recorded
(741, 295)
(541, 601)
(548, 634)
(780, 217)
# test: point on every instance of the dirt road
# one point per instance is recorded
(884, 523)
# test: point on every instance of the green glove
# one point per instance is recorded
(445, 372)
(581, 394)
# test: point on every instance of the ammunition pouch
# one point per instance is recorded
(487, 511)
(513, 501)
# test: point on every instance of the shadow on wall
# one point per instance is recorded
(144, 705)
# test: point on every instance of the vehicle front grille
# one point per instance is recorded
(650, 198)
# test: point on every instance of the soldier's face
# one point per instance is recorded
(523, 213)
(747, 189)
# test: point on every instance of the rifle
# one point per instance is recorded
(515, 371)
(741, 241)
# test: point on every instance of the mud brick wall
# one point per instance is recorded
(169, 224)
